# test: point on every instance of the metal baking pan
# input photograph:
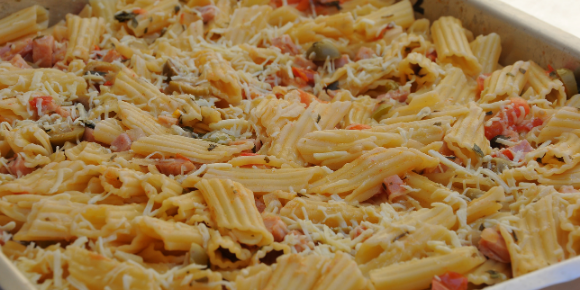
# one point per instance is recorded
(523, 38)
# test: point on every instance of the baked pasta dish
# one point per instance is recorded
(279, 144)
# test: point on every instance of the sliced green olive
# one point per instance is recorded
(569, 81)
(170, 69)
(321, 50)
(59, 136)
(219, 137)
(186, 88)
(381, 111)
(391, 85)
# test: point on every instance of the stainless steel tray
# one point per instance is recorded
(523, 38)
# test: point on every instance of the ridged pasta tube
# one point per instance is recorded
(505, 83)
(133, 118)
(362, 178)
(83, 35)
(452, 46)
(417, 274)
(196, 150)
(222, 78)
(487, 50)
(24, 22)
(233, 208)
(466, 138)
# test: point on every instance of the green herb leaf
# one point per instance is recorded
(477, 150)
(510, 74)
(493, 274)
(522, 70)
(211, 147)
(125, 16)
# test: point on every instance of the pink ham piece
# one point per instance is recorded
(493, 246)
(276, 226)
(42, 49)
(342, 61)
(121, 143)
(397, 95)
(19, 62)
(393, 184)
(16, 167)
(22, 47)
(286, 45)
(259, 203)
(89, 135)
(364, 53)
(175, 166)
(208, 13)
(167, 121)
(302, 62)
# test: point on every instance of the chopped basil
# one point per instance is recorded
(176, 8)
(437, 123)
(522, 70)
(493, 274)
(125, 16)
(211, 147)
(489, 113)
(267, 159)
(477, 150)
(400, 236)
(318, 119)
(333, 86)
(510, 74)
(134, 23)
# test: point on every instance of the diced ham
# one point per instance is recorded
(135, 134)
(208, 12)
(19, 62)
(175, 166)
(16, 167)
(286, 45)
(260, 205)
(518, 150)
(167, 121)
(449, 281)
(276, 226)
(42, 49)
(399, 95)
(301, 62)
(303, 241)
(364, 53)
(89, 135)
(342, 61)
(493, 246)
(112, 55)
(394, 187)
(22, 47)
(431, 54)
(121, 143)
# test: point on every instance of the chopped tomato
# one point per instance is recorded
(96, 47)
(304, 74)
(357, 127)
(493, 246)
(108, 83)
(140, 11)
(276, 226)
(112, 55)
(248, 154)
(528, 125)
(307, 98)
(509, 117)
(449, 281)
(46, 103)
(432, 55)
(481, 82)
(550, 70)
